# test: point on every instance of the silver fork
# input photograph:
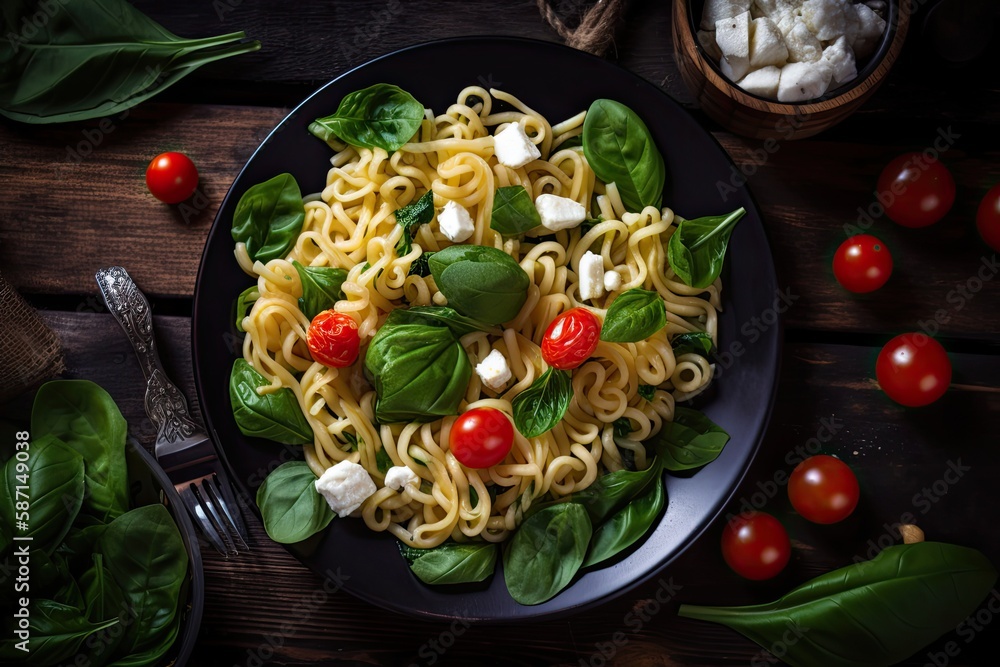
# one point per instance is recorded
(184, 448)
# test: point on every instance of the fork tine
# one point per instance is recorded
(208, 501)
(196, 511)
(213, 484)
(232, 505)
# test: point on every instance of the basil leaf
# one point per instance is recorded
(57, 631)
(513, 211)
(546, 552)
(627, 525)
(690, 441)
(620, 149)
(104, 602)
(380, 116)
(612, 491)
(697, 248)
(483, 283)
(873, 613)
(452, 562)
(320, 288)
(419, 266)
(383, 461)
(410, 217)
(635, 315)
(541, 406)
(275, 415)
(243, 304)
(699, 342)
(440, 316)
(93, 59)
(647, 391)
(289, 504)
(622, 427)
(269, 217)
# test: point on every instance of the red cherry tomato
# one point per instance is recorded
(481, 437)
(862, 264)
(333, 339)
(571, 338)
(756, 545)
(988, 218)
(913, 369)
(823, 489)
(171, 177)
(916, 190)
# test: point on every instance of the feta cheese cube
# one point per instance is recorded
(455, 222)
(868, 33)
(773, 9)
(612, 281)
(513, 147)
(803, 47)
(721, 9)
(559, 212)
(840, 58)
(762, 82)
(345, 486)
(767, 44)
(827, 19)
(591, 274)
(400, 477)
(707, 40)
(494, 370)
(803, 81)
(733, 37)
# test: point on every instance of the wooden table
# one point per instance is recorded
(73, 199)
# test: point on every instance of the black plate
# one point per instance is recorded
(547, 77)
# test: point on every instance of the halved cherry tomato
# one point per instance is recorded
(862, 264)
(571, 338)
(916, 190)
(756, 545)
(481, 437)
(333, 339)
(171, 177)
(988, 218)
(823, 489)
(913, 369)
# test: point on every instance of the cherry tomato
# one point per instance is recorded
(171, 177)
(481, 437)
(913, 369)
(988, 218)
(571, 338)
(756, 545)
(823, 489)
(333, 339)
(916, 190)
(862, 264)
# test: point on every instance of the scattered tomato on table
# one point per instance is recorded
(916, 191)
(988, 218)
(862, 264)
(481, 437)
(755, 545)
(823, 489)
(333, 339)
(171, 177)
(913, 369)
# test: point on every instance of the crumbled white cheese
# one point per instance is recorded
(733, 36)
(455, 222)
(721, 9)
(494, 370)
(559, 212)
(612, 281)
(868, 33)
(763, 82)
(345, 486)
(591, 276)
(767, 45)
(840, 58)
(827, 19)
(803, 81)
(803, 47)
(513, 147)
(400, 477)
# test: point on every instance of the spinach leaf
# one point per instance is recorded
(697, 248)
(513, 211)
(452, 562)
(410, 217)
(57, 631)
(291, 507)
(79, 544)
(647, 391)
(868, 614)
(611, 492)
(420, 266)
(627, 525)
(104, 601)
(620, 149)
(243, 303)
(269, 217)
(690, 441)
(86, 418)
(320, 288)
(635, 315)
(152, 654)
(93, 59)
(482, 282)
(441, 316)
(380, 116)
(546, 552)
(541, 406)
(698, 342)
(275, 416)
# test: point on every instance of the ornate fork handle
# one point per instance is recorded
(168, 410)
(132, 310)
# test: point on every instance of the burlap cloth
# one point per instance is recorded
(595, 31)
(29, 350)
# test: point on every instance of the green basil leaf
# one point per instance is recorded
(697, 248)
(420, 266)
(647, 391)
(872, 613)
(608, 493)
(269, 217)
(620, 149)
(513, 211)
(690, 441)
(541, 406)
(80, 543)
(57, 631)
(243, 304)
(440, 316)
(452, 562)
(546, 552)
(698, 342)
(93, 59)
(104, 602)
(320, 288)
(622, 427)
(635, 315)
(627, 525)
(410, 217)
(383, 460)
(481, 282)
(48, 573)
(275, 415)
(289, 504)
(590, 223)
(380, 116)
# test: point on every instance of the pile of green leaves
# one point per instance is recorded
(106, 581)
(380, 116)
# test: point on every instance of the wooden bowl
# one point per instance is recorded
(760, 118)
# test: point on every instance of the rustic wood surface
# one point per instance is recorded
(63, 213)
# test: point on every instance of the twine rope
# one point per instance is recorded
(596, 30)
